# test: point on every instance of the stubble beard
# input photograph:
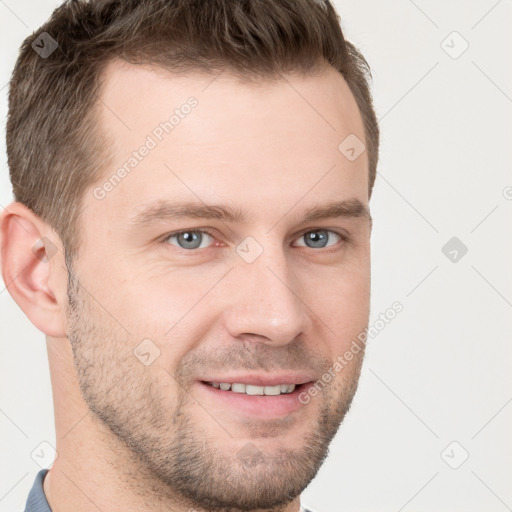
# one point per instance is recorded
(167, 443)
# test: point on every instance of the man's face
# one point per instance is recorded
(267, 298)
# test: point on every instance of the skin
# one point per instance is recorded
(136, 437)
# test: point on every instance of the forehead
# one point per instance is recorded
(212, 135)
(133, 94)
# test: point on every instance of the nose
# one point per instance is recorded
(267, 300)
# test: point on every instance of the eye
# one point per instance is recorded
(190, 239)
(319, 238)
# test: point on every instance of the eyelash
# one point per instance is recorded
(343, 238)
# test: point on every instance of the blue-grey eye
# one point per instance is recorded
(318, 239)
(191, 239)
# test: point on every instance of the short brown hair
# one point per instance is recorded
(53, 148)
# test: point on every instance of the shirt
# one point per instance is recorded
(36, 501)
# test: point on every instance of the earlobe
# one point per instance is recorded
(32, 269)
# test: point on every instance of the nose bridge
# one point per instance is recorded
(268, 299)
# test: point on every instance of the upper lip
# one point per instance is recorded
(263, 379)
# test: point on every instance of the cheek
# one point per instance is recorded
(342, 302)
(160, 297)
(175, 310)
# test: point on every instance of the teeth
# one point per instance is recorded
(272, 390)
(254, 390)
(238, 388)
(250, 389)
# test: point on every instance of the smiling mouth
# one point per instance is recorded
(253, 390)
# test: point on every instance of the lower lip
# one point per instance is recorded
(261, 406)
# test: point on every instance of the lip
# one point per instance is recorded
(254, 406)
(263, 380)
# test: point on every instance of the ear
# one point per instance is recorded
(33, 268)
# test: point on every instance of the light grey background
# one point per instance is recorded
(441, 370)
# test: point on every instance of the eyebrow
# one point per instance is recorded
(167, 210)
